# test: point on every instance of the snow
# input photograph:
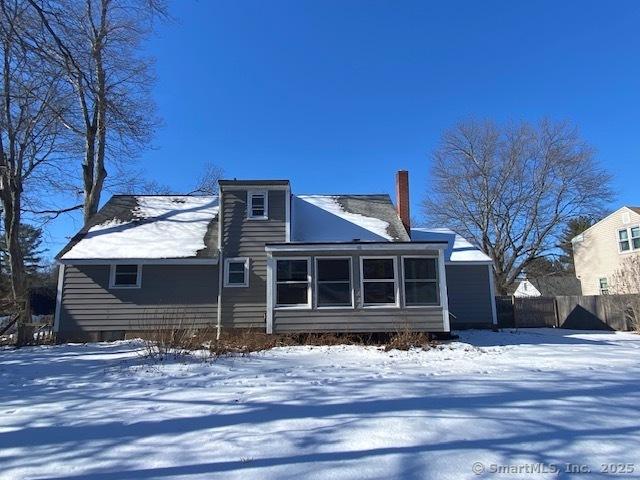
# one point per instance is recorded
(459, 249)
(162, 227)
(544, 397)
(320, 218)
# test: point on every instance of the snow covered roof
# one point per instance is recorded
(148, 227)
(344, 218)
(458, 249)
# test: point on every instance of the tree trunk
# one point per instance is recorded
(19, 287)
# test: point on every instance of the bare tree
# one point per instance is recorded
(97, 44)
(624, 289)
(29, 134)
(206, 184)
(512, 189)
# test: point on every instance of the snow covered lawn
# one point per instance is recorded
(546, 397)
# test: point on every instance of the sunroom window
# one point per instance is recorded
(379, 281)
(292, 282)
(420, 281)
(333, 282)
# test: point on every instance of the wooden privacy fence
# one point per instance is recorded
(576, 312)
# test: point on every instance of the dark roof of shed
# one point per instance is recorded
(556, 285)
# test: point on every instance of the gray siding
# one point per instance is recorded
(359, 319)
(170, 294)
(469, 295)
(246, 307)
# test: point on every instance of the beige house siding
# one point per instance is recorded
(596, 252)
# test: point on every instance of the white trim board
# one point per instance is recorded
(56, 318)
(140, 261)
(326, 248)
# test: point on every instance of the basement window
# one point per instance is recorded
(125, 276)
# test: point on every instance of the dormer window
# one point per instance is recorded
(257, 205)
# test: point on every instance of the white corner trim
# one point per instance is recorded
(270, 293)
(112, 277)
(444, 299)
(56, 318)
(492, 292)
(287, 215)
(245, 261)
(219, 306)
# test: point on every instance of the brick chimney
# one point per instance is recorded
(402, 199)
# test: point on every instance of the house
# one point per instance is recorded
(548, 286)
(601, 250)
(258, 256)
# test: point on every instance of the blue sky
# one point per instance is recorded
(338, 95)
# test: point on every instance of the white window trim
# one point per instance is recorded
(629, 239)
(437, 281)
(315, 284)
(600, 289)
(112, 277)
(395, 282)
(250, 194)
(244, 260)
(300, 306)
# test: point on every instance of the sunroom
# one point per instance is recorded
(356, 287)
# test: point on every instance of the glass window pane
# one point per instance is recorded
(635, 232)
(126, 279)
(236, 266)
(333, 270)
(334, 294)
(291, 293)
(420, 268)
(126, 269)
(421, 293)
(236, 278)
(378, 268)
(623, 234)
(636, 243)
(624, 246)
(379, 292)
(291, 270)
(257, 200)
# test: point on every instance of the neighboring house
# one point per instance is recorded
(257, 256)
(548, 286)
(601, 249)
